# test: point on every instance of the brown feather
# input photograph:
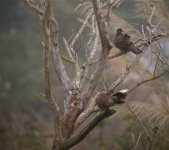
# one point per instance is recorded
(105, 99)
(124, 43)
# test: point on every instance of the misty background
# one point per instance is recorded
(26, 121)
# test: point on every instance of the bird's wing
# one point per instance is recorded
(120, 95)
(118, 38)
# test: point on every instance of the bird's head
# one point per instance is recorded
(119, 30)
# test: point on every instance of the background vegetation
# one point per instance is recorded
(25, 119)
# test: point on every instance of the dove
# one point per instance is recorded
(124, 43)
(105, 99)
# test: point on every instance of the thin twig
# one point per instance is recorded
(34, 7)
(124, 75)
(113, 4)
(145, 81)
(68, 49)
(137, 118)
(67, 59)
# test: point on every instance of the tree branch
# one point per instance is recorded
(124, 75)
(113, 4)
(102, 28)
(89, 127)
(56, 57)
(106, 46)
(77, 35)
(138, 119)
(68, 50)
(52, 40)
(145, 81)
(85, 114)
(48, 94)
(33, 6)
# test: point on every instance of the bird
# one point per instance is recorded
(123, 42)
(106, 99)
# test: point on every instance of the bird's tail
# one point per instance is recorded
(135, 49)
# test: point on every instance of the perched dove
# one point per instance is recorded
(124, 43)
(105, 99)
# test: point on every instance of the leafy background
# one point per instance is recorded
(26, 121)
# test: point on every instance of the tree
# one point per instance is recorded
(80, 97)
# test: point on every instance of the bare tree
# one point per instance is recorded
(80, 95)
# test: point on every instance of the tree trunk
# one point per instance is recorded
(58, 146)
